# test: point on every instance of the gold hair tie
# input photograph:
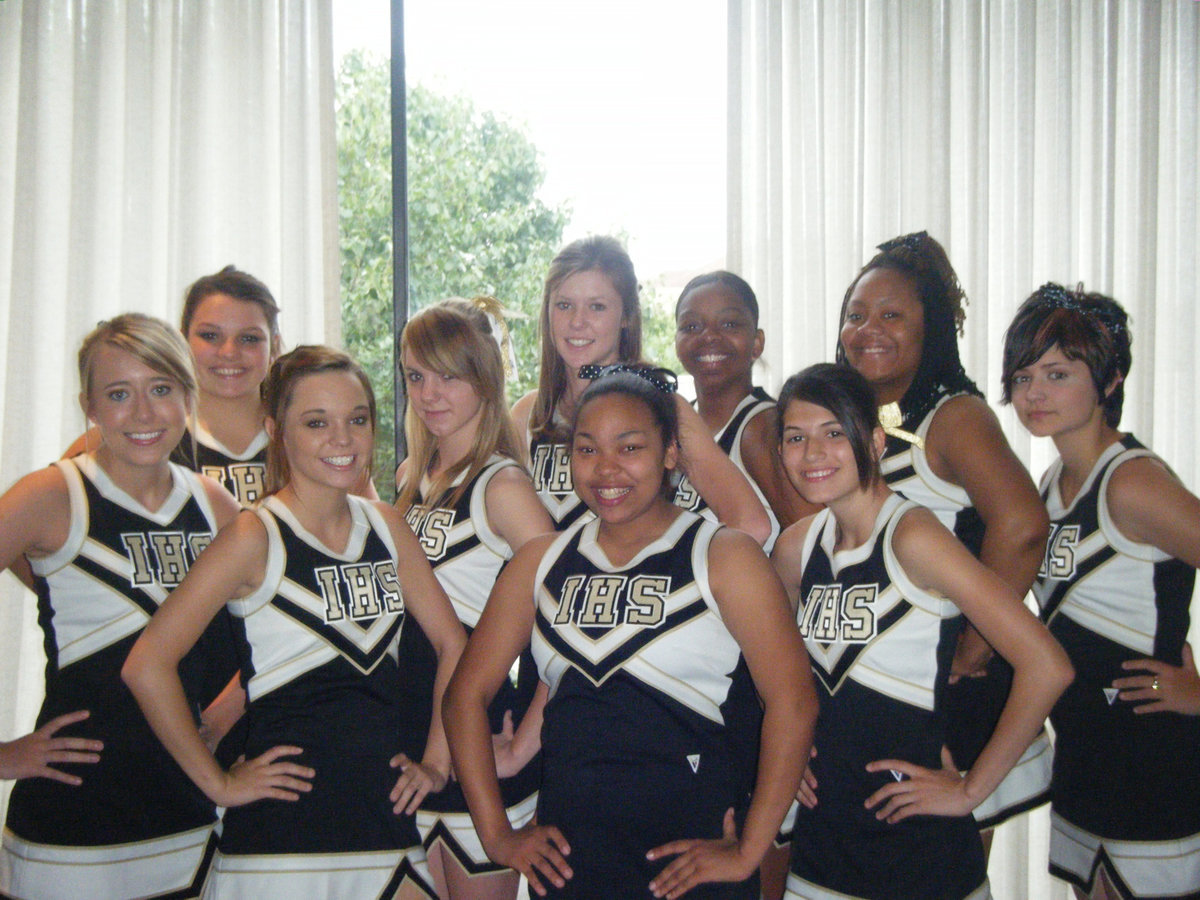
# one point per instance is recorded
(890, 420)
(491, 308)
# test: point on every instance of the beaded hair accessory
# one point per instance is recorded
(491, 308)
(663, 379)
(912, 242)
(1055, 296)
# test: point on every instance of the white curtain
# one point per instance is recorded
(143, 144)
(1037, 141)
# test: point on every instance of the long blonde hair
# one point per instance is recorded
(603, 254)
(455, 338)
(280, 385)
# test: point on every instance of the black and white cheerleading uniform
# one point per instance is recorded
(1126, 787)
(242, 474)
(550, 466)
(880, 649)
(973, 705)
(136, 826)
(647, 731)
(320, 637)
(729, 439)
(466, 556)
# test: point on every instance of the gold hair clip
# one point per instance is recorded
(890, 420)
(491, 308)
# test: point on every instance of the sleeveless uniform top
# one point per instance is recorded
(729, 439)
(973, 704)
(95, 595)
(242, 474)
(907, 471)
(550, 466)
(1108, 599)
(466, 556)
(319, 639)
(650, 731)
(880, 649)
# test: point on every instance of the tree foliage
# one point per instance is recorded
(476, 225)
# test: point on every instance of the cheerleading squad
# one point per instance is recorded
(750, 647)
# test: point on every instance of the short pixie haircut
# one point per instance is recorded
(840, 389)
(740, 287)
(1089, 327)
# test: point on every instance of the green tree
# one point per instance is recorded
(476, 226)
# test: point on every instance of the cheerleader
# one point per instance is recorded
(471, 504)
(101, 809)
(653, 628)
(717, 339)
(591, 316)
(319, 582)
(1115, 588)
(879, 584)
(900, 321)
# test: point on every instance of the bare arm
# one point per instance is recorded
(787, 559)
(425, 598)
(1149, 505)
(760, 453)
(513, 509)
(713, 474)
(936, 561)
(232, 566)
(755, 609)
(538, 852)
(967, 448)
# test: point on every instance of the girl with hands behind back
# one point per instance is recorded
(107, 535)
(319, 582)
(653, 628)
(1115, 589)
(879, 584)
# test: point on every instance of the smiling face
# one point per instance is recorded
(817, 454)
(618, 460)
(1056, 395)
(715, 336)
(586, 320)
(327, 432)
(883, 332)
(230, 340)
(448, 406)
(141, 412)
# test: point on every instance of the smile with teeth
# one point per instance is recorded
(612, 493)
(339, 461)
(712, 357)
(579, 342)
(229, 373)
(817, 474)
(145, 437)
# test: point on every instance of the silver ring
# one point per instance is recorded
(1154, 684)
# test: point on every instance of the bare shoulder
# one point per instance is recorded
(521, 411)
(791, 539)
(401, 473)
(390, 515)
(224, 507)
(512, 476)
(1138, 480)
(36, 514)
(964, 412)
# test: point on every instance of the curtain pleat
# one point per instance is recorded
(1037, 141)
(144, 143)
